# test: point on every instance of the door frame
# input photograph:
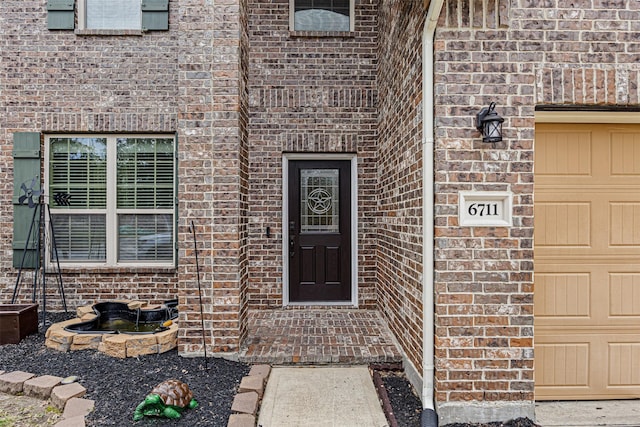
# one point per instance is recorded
(286, 158)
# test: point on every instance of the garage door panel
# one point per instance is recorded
(599, 154)
(563, 224)
(562, 295)
(562, 363)
(563, 153)
(571, 294)
(624, 296)
(625, 154)
(571, 366)
(624, 223)
(624, 365)
(587, 261)
(588, 295)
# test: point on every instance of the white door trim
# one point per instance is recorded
(354, 223)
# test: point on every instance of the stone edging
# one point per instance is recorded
(66, 397)
(246, 403)
(116, 345)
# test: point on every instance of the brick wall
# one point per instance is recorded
(243, 124)
(213, 171)
(56, 81)
(309, 93)
(483, 275)
(190, 80)
(399, 173)
(240, 89)
(519, 54)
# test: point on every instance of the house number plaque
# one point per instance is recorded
(485, 208)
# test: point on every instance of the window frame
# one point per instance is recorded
(82, 19)
(292, 21)
(111, 210)
(67, 15)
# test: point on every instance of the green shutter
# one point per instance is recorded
(175, 206)
(155, 15)
(26, 167)
(60, 14)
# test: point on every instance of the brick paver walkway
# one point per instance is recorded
(318, 336)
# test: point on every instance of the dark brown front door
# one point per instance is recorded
(319, 231)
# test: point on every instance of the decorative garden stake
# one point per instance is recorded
(195, 249)
(167, 399)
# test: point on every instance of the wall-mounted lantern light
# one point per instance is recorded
(489, 123)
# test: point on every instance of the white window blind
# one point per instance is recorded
(145, 173)
(79, 167)
(145, 181)
(80, 237)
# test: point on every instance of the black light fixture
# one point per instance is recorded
(489, 123)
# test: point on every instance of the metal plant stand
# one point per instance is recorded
(39, 231)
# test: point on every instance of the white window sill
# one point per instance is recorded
(88, 32)
(141, 269)
(320, 34)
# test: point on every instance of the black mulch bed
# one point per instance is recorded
(118, 385)
(405, 403)
(407, 407)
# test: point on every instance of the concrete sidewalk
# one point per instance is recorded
(611, 413)
(344, 396)
(321, 397)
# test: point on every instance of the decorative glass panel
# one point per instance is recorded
(80, 237)
(145, 173)
(145, 237)
(78, 167)
(319, 200)
(114, 14)
(321, 15)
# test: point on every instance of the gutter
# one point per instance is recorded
(429, 417)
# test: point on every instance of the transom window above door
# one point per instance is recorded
(121, 204)
(322, 15)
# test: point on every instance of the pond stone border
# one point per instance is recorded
(116, 345)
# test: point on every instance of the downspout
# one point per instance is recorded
(429, 416)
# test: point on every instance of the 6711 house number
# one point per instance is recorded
(484, 208)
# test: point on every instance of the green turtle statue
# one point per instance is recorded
(167, 399)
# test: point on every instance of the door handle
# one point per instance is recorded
(292, 238)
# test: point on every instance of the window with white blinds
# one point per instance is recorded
(121, 198)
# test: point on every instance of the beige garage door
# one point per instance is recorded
(587, 261)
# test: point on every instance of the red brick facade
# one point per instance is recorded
(520, 55)
(213, 171)
(309, 93)
(240, 90)
(57, 81)
(400, 173)
(483, 275)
